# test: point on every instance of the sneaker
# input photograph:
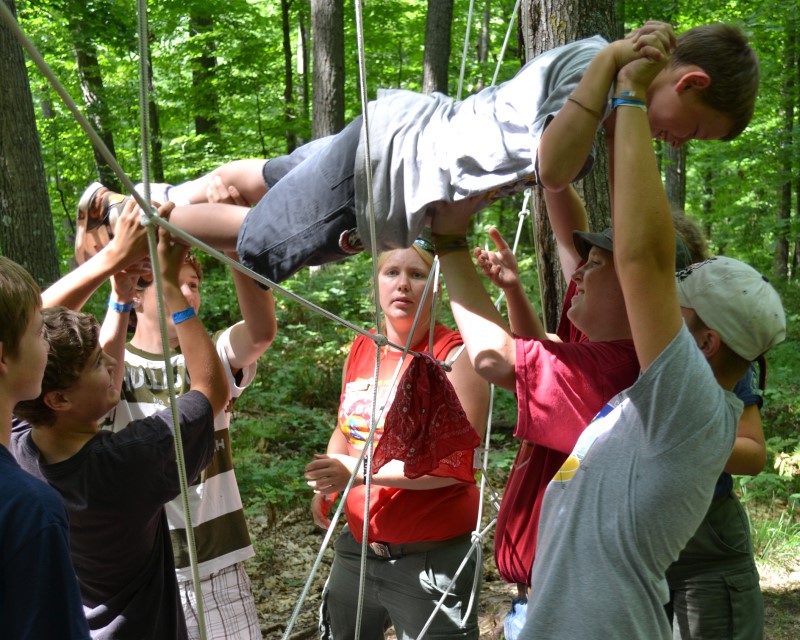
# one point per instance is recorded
(158, 191)
(98, 211)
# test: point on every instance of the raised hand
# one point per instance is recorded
(500, 266)
(653, 40)
(129, 244)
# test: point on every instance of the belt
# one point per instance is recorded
(393, 551)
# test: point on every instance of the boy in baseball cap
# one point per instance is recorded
(734, 300)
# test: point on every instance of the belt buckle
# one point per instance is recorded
(381, 549)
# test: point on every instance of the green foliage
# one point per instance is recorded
(273, 444)
(288, 413)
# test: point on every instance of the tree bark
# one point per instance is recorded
(26, 223)
(783, 212)
(674, 165)
(156, 146)
(288, 83)
(304, 90)
(327, 30)
(546, 24)
(93, 91)
(438, 26)
(204, 64)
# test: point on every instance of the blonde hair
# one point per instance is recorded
(427, 257)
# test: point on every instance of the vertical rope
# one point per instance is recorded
(464, 50)
(362, 76)
(505, 44)
(144, 124)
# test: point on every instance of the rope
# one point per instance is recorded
(505, 44)
(464, 51)
(380, 340)
(147, 214)
(180, 458)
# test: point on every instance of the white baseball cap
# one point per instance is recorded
(735, 300)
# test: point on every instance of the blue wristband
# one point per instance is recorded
(628, 102)
(120, 307)
(183, 316)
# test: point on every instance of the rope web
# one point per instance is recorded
(151, 220)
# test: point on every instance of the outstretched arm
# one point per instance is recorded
(566, 214)
(500, 267)
(489, 342)
(252, 336)
(202, 362)
(114, 330)
(126, 250)
(644, 236)
(567, 140)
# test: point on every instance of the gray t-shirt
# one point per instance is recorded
(429, 148)
(627, 500)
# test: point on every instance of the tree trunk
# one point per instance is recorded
(288, 84)
(93, 91)
(546, 24)
(26, 223)
(675, 176)
(327, 30)
(204, 64)
(483, 47)
(156, 146)
(783, 212)
(438, 26)
(304, 91)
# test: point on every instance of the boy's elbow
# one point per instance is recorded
(494, 368)
(216, 390)
(218, 397)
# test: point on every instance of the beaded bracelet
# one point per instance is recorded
(183, 316)
(120, 307)
(448, 243)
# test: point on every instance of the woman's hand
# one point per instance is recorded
(329, 474)
(320, 508)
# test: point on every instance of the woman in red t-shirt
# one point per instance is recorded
(419, 529)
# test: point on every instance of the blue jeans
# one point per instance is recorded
(515, 618)
(308, 214)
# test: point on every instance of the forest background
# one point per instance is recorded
(255, 78)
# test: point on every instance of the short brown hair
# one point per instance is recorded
(73, 337)
(20, 298)
(722, 51)
(691, 235)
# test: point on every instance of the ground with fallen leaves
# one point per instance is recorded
(288, 544)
